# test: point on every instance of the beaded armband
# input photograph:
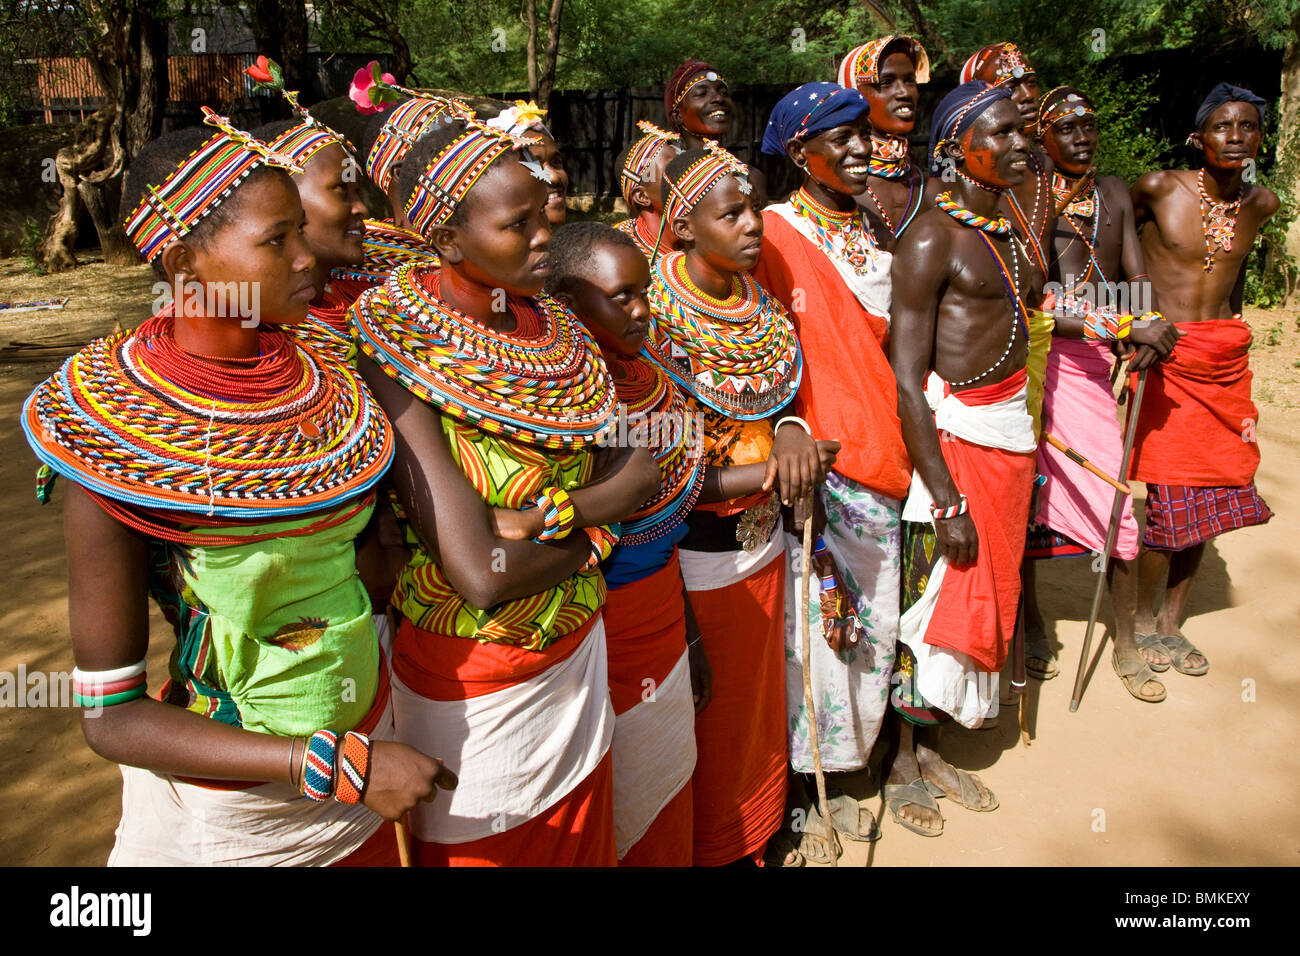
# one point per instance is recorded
(835, 609)
(557, 514)
(603, 538)
(1106, 325)
(318, 765)
(952, 511)
(354, 768)
(106, 688)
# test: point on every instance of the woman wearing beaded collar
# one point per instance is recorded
(821, 261)
(498, 396)
(227, 469)
(886, 71)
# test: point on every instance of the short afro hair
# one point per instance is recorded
(163, 156)
(572, 246)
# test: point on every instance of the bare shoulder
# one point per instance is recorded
(1155, 184)
(929, 235)
(1264, 201)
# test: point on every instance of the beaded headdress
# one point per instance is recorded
(444, 183)
(406, 124)
(707, 74)
(641, 155)
(957, 111)
(207, 177)
(309, 137)
(1059, 104)
(862, 65)
(996, 63)
(701, 176)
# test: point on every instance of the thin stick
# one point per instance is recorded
(1079, 187)
(1111, 532)
(403, 841)
(832, 841)
(1078, 459)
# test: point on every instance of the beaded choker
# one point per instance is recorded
(841, 235)
(1218, 220)
(995, 227)
(544, 384)
(739, 356)
(660, 413)
(1083, 205)
(890, 158)
(137, 420)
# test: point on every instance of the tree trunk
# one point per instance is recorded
(280, 29)
(532, 49)
(1288, 139)
(547, 81)
(70, 162)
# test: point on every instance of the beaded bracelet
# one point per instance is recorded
(952, 511)
(793, 418)
(106, 688)
(557, 514)
(354, 768)
(318, 765)
(603, 538)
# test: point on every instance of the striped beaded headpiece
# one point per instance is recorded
(701, 176)
(862, 65)
(1060, 103)
(684, 78)
(996, 63)
(641, 155)
(209, 175)
(444, 183)
(406, 124)
(305, 140)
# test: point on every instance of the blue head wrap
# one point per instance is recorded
(957, 111)
(1227, 93)
(811, 109)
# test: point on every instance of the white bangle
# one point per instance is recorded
(108, 676)
(797, 420)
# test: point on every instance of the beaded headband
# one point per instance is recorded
(949, 130)
(701, 176)
(406, 124)
(1072, 103)
(710, 75)
(305, 140)
(862, 65)
(1005, 61)
(641, 155)
(170, 210)
(444, 183)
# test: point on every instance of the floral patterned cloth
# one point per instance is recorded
(851, 689)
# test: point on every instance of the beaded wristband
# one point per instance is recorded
(354, 768)
(557, 514)
(318, 765)
(952, 511)
(106, 688)
(603, 538)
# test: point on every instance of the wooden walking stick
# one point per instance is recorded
(403, 841)
(1112, 531)
(832, 841)
(1078, 459)
(1079, 187)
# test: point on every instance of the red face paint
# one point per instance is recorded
(982, 164)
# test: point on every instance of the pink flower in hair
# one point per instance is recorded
(372, 91)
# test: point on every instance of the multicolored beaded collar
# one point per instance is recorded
(890, 157)
(136, 420)
(649, 242)
(385, 247)
(640, 157)
(202, 182)
(544, 384)
(845, 236)
(697, 179)
(655, 406)
(740, 356)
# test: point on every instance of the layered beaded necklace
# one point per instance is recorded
(1010, 278)
(1218, 221)
(1032, 233)
(543, 384)
(1085, 206)
(739, 355)
(889, 157)
(841, 235)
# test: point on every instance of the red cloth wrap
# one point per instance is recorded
(1197, 426)
(976, 609)
(848, 392)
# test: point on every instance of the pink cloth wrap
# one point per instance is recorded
(1079, 409)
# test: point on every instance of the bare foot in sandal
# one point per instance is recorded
(1137, 675)
(958, 785)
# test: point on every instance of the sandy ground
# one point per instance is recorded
(1204, 778)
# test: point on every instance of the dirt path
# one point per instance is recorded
(1204, 778)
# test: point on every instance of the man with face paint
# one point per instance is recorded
(1029, 204)
(697, 102)
(886, 71)
(1100, 318)
(1196, 447)
(959, 343)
